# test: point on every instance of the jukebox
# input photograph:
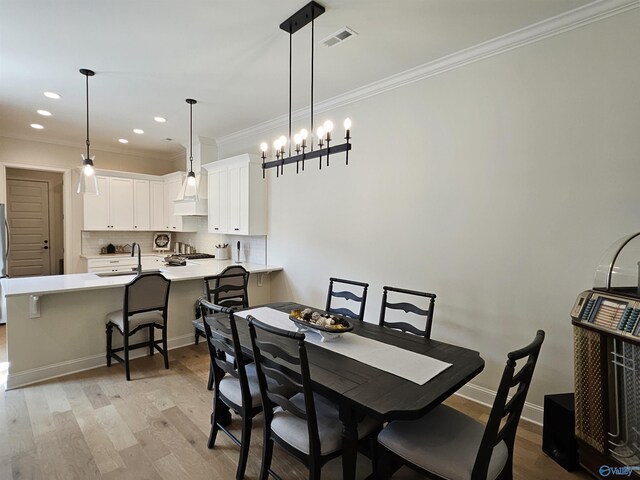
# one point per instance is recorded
(606, 329)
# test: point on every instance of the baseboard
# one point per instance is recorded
(484, 396)
(35, 375)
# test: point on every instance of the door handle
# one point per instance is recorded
(46, 247)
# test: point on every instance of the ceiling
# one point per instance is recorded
(150, 55)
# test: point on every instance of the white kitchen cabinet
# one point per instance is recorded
(111, 264)
(173, 223)
(141, 205)
(218, 201)
(96, 207)
(237, 196)
(122, 263)
(112, 209)
(121, 203)
(157, 205)
(134, 203)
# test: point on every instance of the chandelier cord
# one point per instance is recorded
(290, 68)
(312, 40)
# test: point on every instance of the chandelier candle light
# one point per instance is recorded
(298, 20)
(87, 183)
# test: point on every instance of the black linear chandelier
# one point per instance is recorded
(291, 25)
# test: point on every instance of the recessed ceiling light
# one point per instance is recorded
(44, 113)
(123, 140)
(52, 95)
(160, 119)
(139, 131)
(37, 126)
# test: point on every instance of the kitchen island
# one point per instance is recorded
(55, 324)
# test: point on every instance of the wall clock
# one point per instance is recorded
(161, 241)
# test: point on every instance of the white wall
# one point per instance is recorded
(496, 185)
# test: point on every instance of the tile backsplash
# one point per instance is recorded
(253, 249)
(92, 242)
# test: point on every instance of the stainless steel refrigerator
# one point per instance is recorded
(4, 243)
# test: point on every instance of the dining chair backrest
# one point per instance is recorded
(270, 343)
(145, 293)
(229, 288)
(407, 308)
(361, 299)
(224, 345)
(509, 408)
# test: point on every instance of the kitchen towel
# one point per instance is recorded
(409, 365)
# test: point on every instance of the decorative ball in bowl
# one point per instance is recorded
(329, 326)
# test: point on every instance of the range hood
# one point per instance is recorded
(205, 150)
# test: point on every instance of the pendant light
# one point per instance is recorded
(88, 183)
(190, 187)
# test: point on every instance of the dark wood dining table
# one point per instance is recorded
(359, 389)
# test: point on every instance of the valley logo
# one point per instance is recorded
(626, 471)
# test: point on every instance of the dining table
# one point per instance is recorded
(359, 389)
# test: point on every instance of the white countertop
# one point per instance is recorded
(195, 269)
(123, 255)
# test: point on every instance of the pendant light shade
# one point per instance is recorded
(189, 189)
(88, 183)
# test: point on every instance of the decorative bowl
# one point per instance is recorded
(328, 333)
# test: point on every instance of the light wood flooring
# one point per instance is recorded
(96, 425)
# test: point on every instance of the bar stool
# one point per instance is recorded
(145, 306)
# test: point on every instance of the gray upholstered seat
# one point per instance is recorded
(295, 432)
(230, 386)
(444, 442)
(146, 318)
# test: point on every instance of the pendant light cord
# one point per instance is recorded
(87, 92)
(190, 137)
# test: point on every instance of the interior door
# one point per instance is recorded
(28, 218)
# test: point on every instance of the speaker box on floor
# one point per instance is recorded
(558, 431)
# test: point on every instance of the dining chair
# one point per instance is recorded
(236, 383)
(146, 299)
(228, 289)
(407, 308)
(447, 444)
(303, 423)
(361, 299)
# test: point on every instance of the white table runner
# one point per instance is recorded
(412, 366)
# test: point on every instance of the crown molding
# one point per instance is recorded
(579, 17)
(94, 148)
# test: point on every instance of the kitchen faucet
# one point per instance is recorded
(133, 251)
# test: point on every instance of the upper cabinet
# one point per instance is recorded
(141, 205)
(172, 186)
(112, 209)
(237, 196)
(156, 198)
(134, 204)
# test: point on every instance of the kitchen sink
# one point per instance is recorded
(120, 274)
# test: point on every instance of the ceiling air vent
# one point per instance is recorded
(338, 37)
